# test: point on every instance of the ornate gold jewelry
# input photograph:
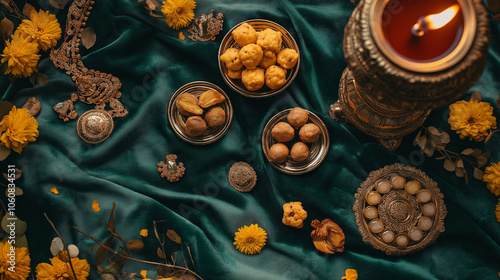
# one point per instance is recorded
(93, 87)
(94, 126)
(242, 177)
(171, 170)
(206, 27)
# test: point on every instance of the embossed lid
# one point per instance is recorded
(242, 177)
(95, 126)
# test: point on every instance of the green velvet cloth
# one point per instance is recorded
(152, 63)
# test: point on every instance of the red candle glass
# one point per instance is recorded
(398, 19)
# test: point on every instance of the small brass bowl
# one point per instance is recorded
(178, 121)
(317, 150)
(258, 25)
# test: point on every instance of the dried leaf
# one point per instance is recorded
(488, 137)
(88, 37)
(433, 131)
(466, 176)
(56, 246)
(440, 158)
(12, 222)
(420, 141)
(135, 245)
(5, 107)
(476, 96)
(160, 253)
(33, 78)
(150, 5)
(459, 172)
(478, 173)
(476, 153)
(467, 151)
(102, 253)
(42, 79)
(4, 152)
(174, 236)
(429, 149)
(460, 163)
(112, 223)
(58, 4)
(6, 27)
(17, 192)
(449, 165)
(17, 174)
(27, 10)
(487, 155)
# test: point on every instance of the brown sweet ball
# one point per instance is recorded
(297, 117)
(268, 59)
(287, 58)
(275, 77)
(244, 34)
(299, 151)
(234, 74)
(269, 40)
(215, 116)
(195, 126)
(309, 133)
(278, 153)
(231, 57)
(283, 132)
(253, 79)
(251, 55)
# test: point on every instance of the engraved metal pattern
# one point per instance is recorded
(390, 84)
(178, 120)
(242, 177)
(399, 211)
(94, 126)
(258, 25)
(171, 170)
(317, 150)
(206, 27)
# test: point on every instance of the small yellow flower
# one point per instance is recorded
(250, 239)
(58, 269)
(492, 178)
(350, 274)
(178, 13)
(21, 55)
(497, 211)
(17, 129)
(22, 262)
(43, 29)
(472, 119)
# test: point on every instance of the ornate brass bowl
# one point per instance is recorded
(399, 210)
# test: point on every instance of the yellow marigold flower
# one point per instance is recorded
(350, 274)
(17, 129)
(472, 119)
(58, 269)
(497, 211)
(492, 178)
(178, 13)
(22, 262)
(21, 55)
(43, 29)
(250, 239)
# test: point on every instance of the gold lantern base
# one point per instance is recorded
(387, 124)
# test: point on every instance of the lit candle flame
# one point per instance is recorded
(434, 21)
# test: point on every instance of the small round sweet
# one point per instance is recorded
(412, 187)
(275, 77)
(402, 240)
(416, 234)
(388, 236)
(278, 153)
(398, 182)
(244, 34)
(253, 79)
(234, 74)
(299, 151)
(373, 198)
(370, 212)
(297, 117)
(429, 210)
(383, 186)
(283, 132)
(424, 196)
(309, 133)
(287, 58)
(269, 40)
(251, 55)
(195, 126)
(376, 226)
(268, 59)
(231, 57)
(425, 223)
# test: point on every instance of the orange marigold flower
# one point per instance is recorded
(250, 239)
(492, 178)
(58, 269)
(21, 55)
(42, 28)
(17, 129)
(22, 261)
(178, 13)
(497, 211)
(472, 119)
